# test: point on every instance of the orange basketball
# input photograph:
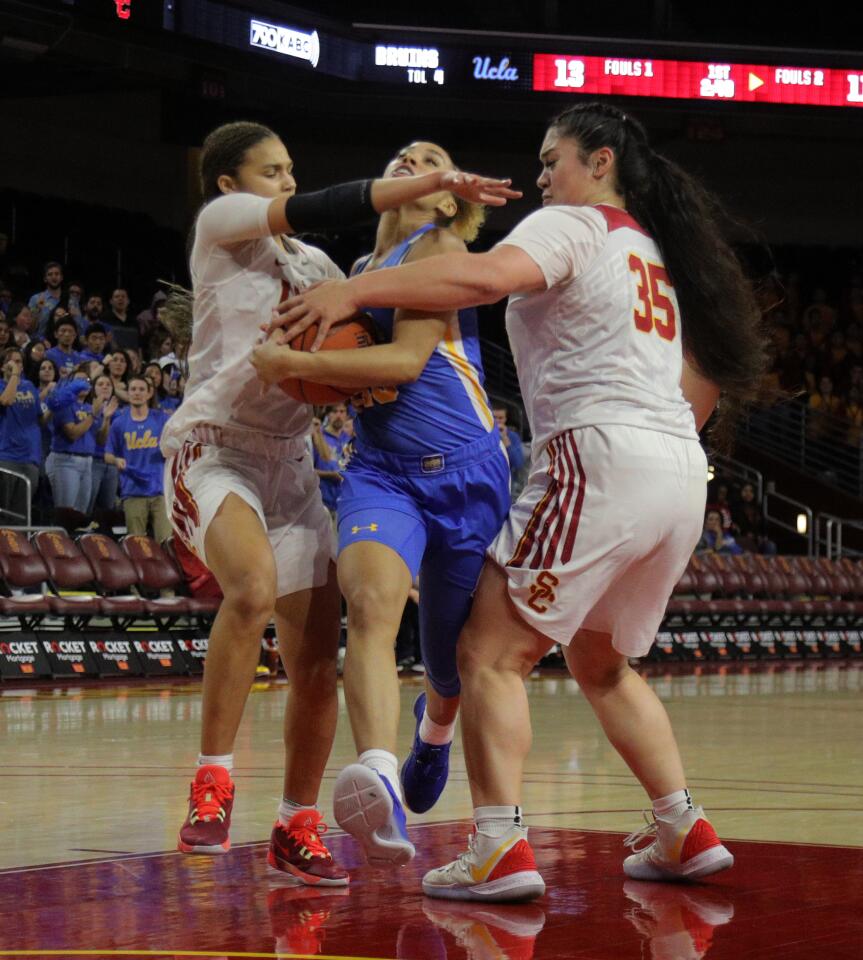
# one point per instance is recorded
(347, 335)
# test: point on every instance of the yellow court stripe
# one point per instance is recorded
(177, 953)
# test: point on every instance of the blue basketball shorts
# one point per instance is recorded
(439, 513)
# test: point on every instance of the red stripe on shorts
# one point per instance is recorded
(561, 466)
(569, 543)
(569, 455)
(525, 544)
(184, 510)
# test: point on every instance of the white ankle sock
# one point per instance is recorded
(673, 806)
(225, 760)
(287, 809)
(435, 733)
(387, 765)
(496, 821)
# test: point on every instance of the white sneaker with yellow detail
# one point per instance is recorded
(497, 869)
(683, 848)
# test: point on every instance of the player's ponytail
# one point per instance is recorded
(177, 313)
(724, 333)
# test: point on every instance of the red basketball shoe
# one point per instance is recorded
(297, 852)
(495, 869)
(211, 798)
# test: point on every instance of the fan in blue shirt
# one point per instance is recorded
(133, 444)
(64, 354)
(20, 415)
(95, 341)
(70, 463)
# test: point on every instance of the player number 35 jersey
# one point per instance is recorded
(602, 344)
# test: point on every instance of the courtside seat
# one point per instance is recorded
(770, 574)
(22, 569)
(853, 570)
(114, 575)
(707, 584)
(68, 569)
(156, 571)
(732, 581)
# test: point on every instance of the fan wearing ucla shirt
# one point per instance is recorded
(426, 491)
(133, 447)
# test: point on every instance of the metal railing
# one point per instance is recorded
(5, 511)
(825, 446)
(832, 535)
(772, 499)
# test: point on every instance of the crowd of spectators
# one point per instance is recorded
(734, 520)
(87, 385)
(818, 354)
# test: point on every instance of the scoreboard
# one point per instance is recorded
(487, 65)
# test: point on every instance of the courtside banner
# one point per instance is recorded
(193, 645)
(833, 643)
(22, 657)
(717, 642)
(114, 654)
(68, 655)
(159, 655)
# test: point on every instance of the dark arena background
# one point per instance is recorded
(103, 636)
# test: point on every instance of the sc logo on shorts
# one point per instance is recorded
(542, 593)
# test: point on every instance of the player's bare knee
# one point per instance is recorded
(369, 605)
(598, 674)
(252, 598)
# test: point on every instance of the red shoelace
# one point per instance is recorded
(208, 800)
(306, 829)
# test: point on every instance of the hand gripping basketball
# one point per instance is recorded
(351, 334)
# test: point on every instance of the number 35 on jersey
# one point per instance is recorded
(655, 308)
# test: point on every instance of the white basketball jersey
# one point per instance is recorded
(602, 344)
(239, 274)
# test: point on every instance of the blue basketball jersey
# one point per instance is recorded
(447, 406)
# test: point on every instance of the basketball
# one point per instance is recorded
(347, 335)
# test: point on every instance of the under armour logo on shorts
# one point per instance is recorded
(372, 526)
(542, 592)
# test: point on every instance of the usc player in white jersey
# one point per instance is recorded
(628, 314)
(240, 488)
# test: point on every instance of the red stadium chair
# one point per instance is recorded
(69, 570)
(157, 571)
(114, 576)
(22, 569)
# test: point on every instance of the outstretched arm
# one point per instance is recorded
(362, 200)
(447, 282)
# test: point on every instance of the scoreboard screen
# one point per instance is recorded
(486, 66)
(691, 80)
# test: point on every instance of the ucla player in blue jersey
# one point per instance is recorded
(426, 491)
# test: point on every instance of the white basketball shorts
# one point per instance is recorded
(275, 478)
(602, 533)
